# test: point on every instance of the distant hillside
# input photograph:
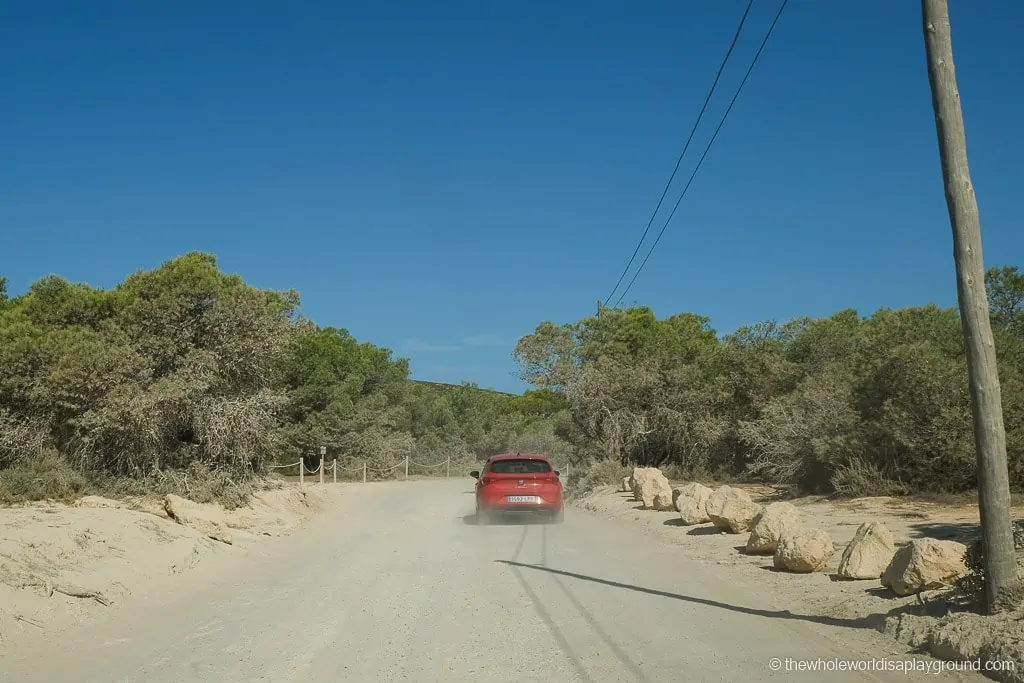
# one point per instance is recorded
(443, 386)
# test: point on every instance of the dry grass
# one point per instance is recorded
(44, 477)
(602, 473)
(49, 477)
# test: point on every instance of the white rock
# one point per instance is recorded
(692, 503)
(654, 490)
(869, 553)
(925, 564)
(804, 551)
(770, 525)
(732, 509)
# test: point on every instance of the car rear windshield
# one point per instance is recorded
(524, 466)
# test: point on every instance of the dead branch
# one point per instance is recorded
(79, 592)
(30, 622)
(71, 591)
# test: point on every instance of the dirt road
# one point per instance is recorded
(398, 584)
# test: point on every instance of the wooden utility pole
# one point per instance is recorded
(986, 402)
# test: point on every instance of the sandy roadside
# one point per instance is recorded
(858, 603)
(61, 566)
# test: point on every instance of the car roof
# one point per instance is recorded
(518, 456)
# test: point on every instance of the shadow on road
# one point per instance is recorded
(873, 621)
(507, 520)
(964, 532)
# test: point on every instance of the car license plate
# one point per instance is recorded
(523, 499)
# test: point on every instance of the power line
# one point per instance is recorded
(679, 161)
(706, 150)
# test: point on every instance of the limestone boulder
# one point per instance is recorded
(732, 509)
(869, 553)
(925, 564)
(770, 525)
(654, 490)
(804, 551)
(691, 501)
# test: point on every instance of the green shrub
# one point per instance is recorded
(971, 587)
(859, 405)
(47, 476)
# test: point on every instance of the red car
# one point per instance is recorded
(518, 483)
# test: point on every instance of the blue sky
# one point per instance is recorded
(440, 177)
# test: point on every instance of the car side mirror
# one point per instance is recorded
(475, 474)
(557, 473)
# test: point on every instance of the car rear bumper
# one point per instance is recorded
(546, 503)
(543, 509)
(501, 506)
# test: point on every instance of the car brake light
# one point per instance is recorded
(486, 480)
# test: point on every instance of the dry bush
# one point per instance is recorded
(236, 433)
(130, 434)
(643, 412)
(434, 448)
(197, 482)
(137, 432)
(384, 451)
(800, 438)
(600, 473)
(700, 473)
(858, 478)
(20, 439)
(541, 439)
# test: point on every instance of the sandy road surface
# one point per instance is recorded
(398, 584)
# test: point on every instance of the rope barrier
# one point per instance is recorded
(417, 464)
(364, 467)
(390, 469)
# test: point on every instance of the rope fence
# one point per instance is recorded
(367, 470)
